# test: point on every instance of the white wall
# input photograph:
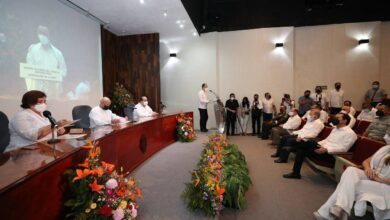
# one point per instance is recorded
(247, 62)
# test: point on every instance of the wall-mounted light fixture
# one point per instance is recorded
(364, 41)
(172, 55)
(279, 45)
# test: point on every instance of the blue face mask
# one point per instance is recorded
(43, 39)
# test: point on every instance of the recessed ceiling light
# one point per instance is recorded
(178, 22)
(165, 13)
(181, 25)
(141, 1)
(194, 33)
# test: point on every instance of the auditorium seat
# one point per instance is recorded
(362, 149)
(361, 127)
(4, 132)
(81, 112)
(357, 113)
(356, 125)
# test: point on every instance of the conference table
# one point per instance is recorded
(32, 179)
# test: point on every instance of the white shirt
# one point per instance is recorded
(316, 97)
(352, 111)
(352, 122)
(367, 116)
(323, 116)
(377, 160)
(203, 100)
(141, 111)
(310, 130)
(292, 123)
(336, 98)
(24, 127)
(259, 105)
(339, 140)
(99, 116)
(268, 106)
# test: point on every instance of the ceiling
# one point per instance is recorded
(229, 15)
(127, 17)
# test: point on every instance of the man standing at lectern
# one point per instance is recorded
(203, 101)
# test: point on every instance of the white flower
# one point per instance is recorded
(111, 184)
(186, 133)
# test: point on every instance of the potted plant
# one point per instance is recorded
(122, 101)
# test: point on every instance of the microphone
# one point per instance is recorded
(53, 122)
(210, 90)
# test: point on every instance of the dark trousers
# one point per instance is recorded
(256, 122)
(304, 149)
(334, 111)
(203, 118)
(266, 129)
(230, 122)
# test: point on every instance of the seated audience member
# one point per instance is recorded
(336, 99)
(379, 126)
(269, 108)
(102, 115)
(293, 123)
(231, 107)
(287, 102)
(375, 95)
(29, 125)
(142, 109)
(340, 140)
(323, 114)
(320, 98)
(368, 113)
(305, 103)
(310, 131)
(346, 110)
(357, 187)
(280, 118)
(352, 109)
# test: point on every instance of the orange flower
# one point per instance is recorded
(99, 171)
(88, 146)
(81, 174)
(139, 193)
(95, 186)
(132, 197)
(220, 191)
(130, 183)
(108, 166)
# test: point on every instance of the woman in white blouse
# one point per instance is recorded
(29, 125)
(361, 186)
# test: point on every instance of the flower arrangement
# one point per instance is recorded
(97, 191)
(221, 179)
(120, 97)
(185, 129)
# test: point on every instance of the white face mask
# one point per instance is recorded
(232, 98)
(343, 112)
(43, 39)
(40, 107)
(206, 89)
(145, 103)
(309, 118)
(291, 113)
(387, 138)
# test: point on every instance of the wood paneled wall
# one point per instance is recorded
(133, 61)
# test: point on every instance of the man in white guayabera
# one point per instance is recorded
(44, 55)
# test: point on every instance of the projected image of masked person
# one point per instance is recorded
(29, 125)
(44, 55)
(102, 115)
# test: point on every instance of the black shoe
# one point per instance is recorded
(292, 176)
(264, 138)
(206, 130)
(275, 155)
(280, 161)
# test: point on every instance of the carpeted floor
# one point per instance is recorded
(271, 196)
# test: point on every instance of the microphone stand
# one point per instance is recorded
(53, 140)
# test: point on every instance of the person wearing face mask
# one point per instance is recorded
(244, 111)
(340, 140)
(352, 110)
(368, 113)
(305, 102)
(387, 136)
(379, 126)
(231, 107)
(102, 115)
(347, 110)
(287, 102)
(375, 95)
(203, 101)
(336, 99)
(257, 111)
(280, 118)
(320, 98)
(142, 109)
(303, 136)
(293, 123)
(323, 114)
(44, 55)
(29, 125)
